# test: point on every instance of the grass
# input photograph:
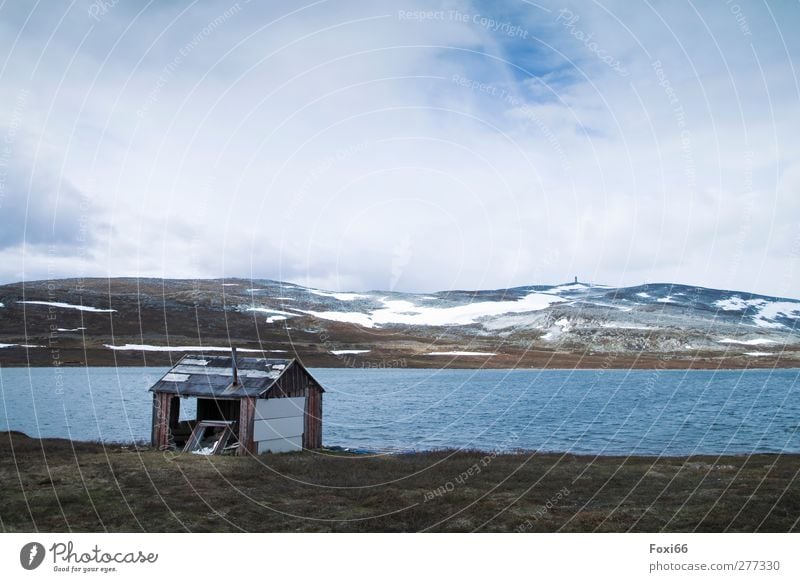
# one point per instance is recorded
(58, 485)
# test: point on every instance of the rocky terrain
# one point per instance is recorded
(127, 321)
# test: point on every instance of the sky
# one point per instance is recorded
(407, 146)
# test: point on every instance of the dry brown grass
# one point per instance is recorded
(58, 485)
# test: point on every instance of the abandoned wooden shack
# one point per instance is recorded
(244, 405)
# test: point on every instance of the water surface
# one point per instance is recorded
(589, 411)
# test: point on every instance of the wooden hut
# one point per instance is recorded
(253, 405)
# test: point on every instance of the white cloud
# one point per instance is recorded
(311, 146)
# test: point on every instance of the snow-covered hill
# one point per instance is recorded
(560, 308)
(664, 320)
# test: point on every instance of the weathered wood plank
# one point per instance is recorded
(247, 409)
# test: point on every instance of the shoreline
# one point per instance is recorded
(363, 452)
(555, 369)
(621, 362)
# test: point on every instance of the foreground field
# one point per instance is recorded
(59, 485)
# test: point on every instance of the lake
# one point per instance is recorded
(604, 412)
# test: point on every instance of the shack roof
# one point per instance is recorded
(212, 376)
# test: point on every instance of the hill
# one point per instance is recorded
(126, 321)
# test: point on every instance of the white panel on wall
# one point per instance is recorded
(281, 445)
(265, 430)
(279, 407)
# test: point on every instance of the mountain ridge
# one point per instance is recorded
(238, 280)
(134, 321)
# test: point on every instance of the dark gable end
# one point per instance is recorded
(293, 382)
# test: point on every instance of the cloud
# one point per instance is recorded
(41, 208)
(459, 144)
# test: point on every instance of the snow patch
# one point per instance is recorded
(611, 306)
(270, 310)
(624, 326)
(736, 303)
(275, 314)
(149, 348)
(68, 306)
(461, 354)
(750, 342)
(643, 294)
(532, 320)
(344, 352)
(405, 312)
(73, 329)
(361, 319)
(768, 312)
(339, 296)
(570, 287)
(758, 354)
(19, 346)
(561, 326)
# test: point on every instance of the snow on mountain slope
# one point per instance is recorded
(576, 318)
(339, 296)
(577, 306)
(404, 312)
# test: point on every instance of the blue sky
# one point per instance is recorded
(411, 145)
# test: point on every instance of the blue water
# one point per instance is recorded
(589, 411)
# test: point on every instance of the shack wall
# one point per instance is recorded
(279, 424)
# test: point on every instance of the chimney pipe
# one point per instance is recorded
(235, 368)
